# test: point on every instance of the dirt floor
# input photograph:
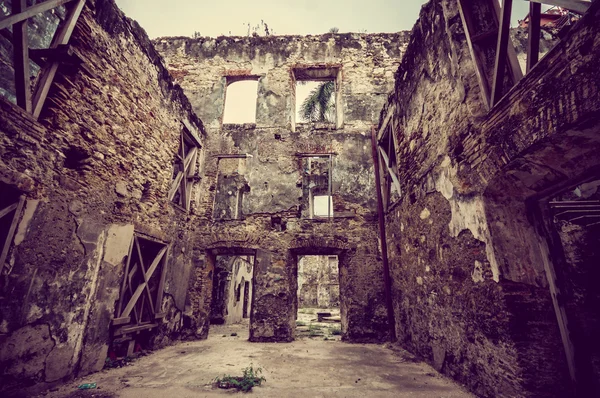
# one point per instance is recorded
(311, 366)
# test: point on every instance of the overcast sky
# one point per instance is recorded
(285, 17)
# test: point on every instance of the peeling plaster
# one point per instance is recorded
(30, 207)
(467, 214)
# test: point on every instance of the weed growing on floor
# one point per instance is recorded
(314, 330)
(250, 378)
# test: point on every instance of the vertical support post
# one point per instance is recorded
(382, 236)
(21, 57)
(329, 198)
(533, 45)
(501, 51)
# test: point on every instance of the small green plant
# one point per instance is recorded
(250, 378)
(336, 331)
(314, 330)
(300, 323)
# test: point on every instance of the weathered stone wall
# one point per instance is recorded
(274, 181)
(469, 268)
(95, 168)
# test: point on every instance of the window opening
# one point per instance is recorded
(140, 301)
(315, 101)
(240, 102)
(317, 96)
(317, 186)
(184, 170)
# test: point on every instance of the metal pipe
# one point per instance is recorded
(386, 270)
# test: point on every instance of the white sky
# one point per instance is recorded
(285, 17)
(240, 102)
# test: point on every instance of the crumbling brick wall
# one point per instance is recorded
(274, 211)
(470, 288)
(95, 168)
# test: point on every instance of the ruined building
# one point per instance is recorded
(131, 214)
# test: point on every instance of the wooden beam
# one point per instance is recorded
(11, 232)
(161, 283)
(125, 274)
(533, 42)
(467, 20)
(62, 36)
(390, 171)
(8, 209)
(140, 288)
(501, 51)
(578, 6)
(60, 53)
(16, 16)
(121, 321)
(139, 251)
(21, 58)
(514, 67)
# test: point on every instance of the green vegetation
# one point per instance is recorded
(300, 323)
(250, 378)
(319, 106)
(314, 330)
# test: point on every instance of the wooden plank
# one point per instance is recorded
(385, 124)
(514, 67)
(60, 53)
(484, 36)
(121, 321)
(161, 283)
(139, 251)
(386, 189)
(11, 231)
(30, 12)
(136, 328)
(175, 185)
(467, 20)
(501, 51)
(580, 7)
(21, 58)
(140, 288)
(125, 277)
(8, 209)
(62, 36)
(390, 171)
(533, 42)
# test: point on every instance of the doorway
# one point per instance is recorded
(318, 296)
(232, 289)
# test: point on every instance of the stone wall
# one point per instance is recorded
(262, 201)
(469, 265)
(95, 169)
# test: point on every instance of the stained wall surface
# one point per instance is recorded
(475, 289)
(95, 169)
(263, 197)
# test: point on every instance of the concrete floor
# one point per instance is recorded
(308, 367)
